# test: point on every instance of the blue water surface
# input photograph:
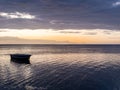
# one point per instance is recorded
(61, 67)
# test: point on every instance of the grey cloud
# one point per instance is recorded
(63, 14)
(90, 33)
(69, 32)
(107, 32)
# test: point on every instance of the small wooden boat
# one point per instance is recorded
(20, 58)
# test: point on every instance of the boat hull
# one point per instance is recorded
(20, 58)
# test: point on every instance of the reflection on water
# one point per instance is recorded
(69, 67)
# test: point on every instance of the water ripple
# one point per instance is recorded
(58, 68)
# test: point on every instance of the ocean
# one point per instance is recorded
(61, 67)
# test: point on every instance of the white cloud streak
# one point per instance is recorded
(116, 4)
(17, 15)
(44, 32)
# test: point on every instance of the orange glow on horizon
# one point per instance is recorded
(76, 39)
(62, 36)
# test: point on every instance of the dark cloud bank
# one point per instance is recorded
(62, 14)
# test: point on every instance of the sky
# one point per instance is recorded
(59, 21)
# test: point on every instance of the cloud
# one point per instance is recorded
(69, 31)
(90, 33)
(17, 15)
(107, 32)
(116, 4)
(2, 30)
(60, 14)
(52, 32)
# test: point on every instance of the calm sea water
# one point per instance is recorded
(61, 67)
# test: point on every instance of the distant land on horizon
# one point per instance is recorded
(16, 40)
